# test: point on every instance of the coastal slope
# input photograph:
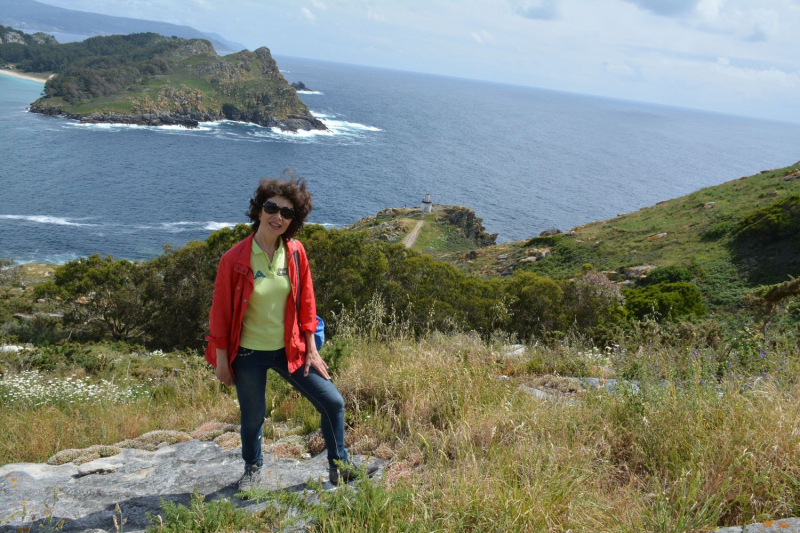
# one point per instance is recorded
(149, 79)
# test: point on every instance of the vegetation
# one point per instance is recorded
(730, 238)
(700, 433)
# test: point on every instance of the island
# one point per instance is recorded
(153, 80)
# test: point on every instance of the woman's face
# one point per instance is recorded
(275, 224)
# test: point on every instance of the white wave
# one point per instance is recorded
(178, 227)
(45, 219)
(53, 259)
(342, 126)
(301, 133)
(310, 92)
(214, 226)
(202, 126)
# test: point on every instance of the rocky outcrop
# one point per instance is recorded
(469, 222)
(85, 490)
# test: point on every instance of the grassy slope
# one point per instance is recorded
(437, 237)
(689, 223)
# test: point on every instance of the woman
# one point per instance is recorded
(264, 315)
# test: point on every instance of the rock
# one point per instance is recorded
(513, 351)
(85, 455)
(212, 430)
(84, 498)
(656, 237)
(472, 225)
(708, 205)
(550, 232)
(98, 466)
(11, 348)
(150, 441)
(786, 525)
(637, 272)
(536, 393)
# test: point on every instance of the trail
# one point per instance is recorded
(411, 238)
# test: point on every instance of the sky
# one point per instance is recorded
(729, 56)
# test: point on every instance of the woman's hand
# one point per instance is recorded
(224, 374)
(223, 368)
(313, 359)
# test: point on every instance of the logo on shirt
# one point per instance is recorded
(282, 272)
(259, 274)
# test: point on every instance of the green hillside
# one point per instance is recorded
(731, 237)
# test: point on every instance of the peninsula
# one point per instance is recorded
(153, 80)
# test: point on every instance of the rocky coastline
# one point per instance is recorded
(292, 123)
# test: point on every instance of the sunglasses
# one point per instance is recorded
(272, 208)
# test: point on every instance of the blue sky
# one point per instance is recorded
(731, 56)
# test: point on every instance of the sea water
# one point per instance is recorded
(524, 159)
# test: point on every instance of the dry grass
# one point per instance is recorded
(669, 458)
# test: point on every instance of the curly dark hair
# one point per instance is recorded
(293, 189)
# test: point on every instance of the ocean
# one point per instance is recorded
(524, 159)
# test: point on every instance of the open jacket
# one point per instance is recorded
(232, 290)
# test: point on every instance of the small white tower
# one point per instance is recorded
(427, 205)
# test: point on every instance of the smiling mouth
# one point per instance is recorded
(276, 225)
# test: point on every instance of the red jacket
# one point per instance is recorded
(232, 290)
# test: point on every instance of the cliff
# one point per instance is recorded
(149, 79)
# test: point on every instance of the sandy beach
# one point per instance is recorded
(41, 78)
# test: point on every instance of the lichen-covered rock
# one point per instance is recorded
(83, 455)
(315, 443)
(229, 440)
(151, 441)
(212, 430)
(291, 447)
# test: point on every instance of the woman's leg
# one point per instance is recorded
(250, 371)
(325, 397)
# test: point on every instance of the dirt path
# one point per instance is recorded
(411, 238)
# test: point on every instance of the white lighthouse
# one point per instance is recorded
(427, 205)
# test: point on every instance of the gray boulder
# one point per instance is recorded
(84, 497)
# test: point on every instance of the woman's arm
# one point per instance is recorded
(220, 317)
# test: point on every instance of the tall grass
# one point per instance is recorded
(709, 438)
(177, 391)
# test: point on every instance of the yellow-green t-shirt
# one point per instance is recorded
(263, 326)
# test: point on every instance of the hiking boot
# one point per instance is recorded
(348, 472)
(250, 479)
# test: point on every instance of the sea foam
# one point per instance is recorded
(45, 219)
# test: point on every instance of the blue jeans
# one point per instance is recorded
(250, 370)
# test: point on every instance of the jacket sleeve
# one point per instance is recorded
(308, 303)
(221, 315)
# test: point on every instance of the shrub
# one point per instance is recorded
(668, 274)
(665, 301)
(776, 221)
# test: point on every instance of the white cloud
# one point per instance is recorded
(375, 15)
(535, 9)
(620, 68)
(318, 4)
(482, 36)
(308, 14)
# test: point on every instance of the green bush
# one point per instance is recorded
(776, 221)
(668, 274)
(665, 301)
